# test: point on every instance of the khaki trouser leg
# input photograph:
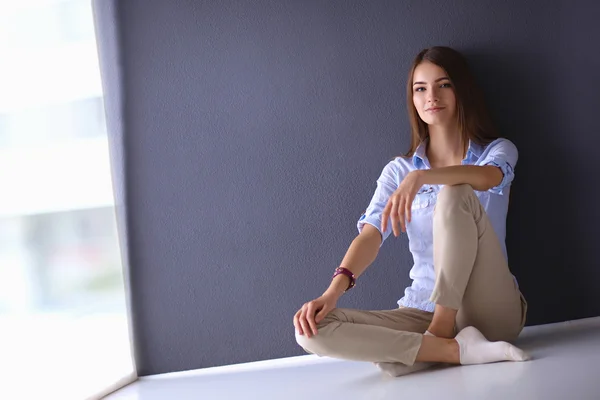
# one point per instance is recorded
(375, 336)
(472, 275)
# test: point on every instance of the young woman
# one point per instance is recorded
(450, 195)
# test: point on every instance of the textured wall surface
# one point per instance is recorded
(248, 136)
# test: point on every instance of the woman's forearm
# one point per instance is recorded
(479, 177)
(362, 252)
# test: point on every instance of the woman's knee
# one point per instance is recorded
(451, 194)
(452, 197)
(304, 342)
(317, 344)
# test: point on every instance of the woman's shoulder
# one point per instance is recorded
(402, 161)
(501, 143)
(399, 166)
(499, 151)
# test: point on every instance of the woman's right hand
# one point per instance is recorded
(313, 312)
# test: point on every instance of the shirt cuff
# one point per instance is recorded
(507, 172)
(376, 222)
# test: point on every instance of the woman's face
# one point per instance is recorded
(433, 95)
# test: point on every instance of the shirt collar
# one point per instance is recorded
(475, 149)
(420, 157)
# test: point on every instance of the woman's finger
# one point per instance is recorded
(394, 216)
(304, 322)
(321, 314)
(297, 322)
(385, 215)
(407, 208)
(311, 317)
(401, 214)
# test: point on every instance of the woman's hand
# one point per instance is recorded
(400, 202)
(313, 312)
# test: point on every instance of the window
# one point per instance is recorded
(63, 317)
(54, 122)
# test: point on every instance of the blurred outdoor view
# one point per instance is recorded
(63, 320)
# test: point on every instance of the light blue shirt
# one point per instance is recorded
(501, 153)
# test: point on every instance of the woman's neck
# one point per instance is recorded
(446, 147)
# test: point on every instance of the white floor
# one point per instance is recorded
(565, 366)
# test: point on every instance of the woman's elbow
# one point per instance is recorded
(493, 177)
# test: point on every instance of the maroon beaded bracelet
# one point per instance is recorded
(348, 273)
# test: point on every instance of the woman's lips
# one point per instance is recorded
(435, 109)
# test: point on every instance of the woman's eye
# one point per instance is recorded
(419, 89)
(446, 85)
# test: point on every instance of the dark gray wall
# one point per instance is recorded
(252, 134)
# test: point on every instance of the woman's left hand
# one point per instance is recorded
(400, 202)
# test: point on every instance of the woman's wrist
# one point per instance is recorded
(420, 176)
(338, 286)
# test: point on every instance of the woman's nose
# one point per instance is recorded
(432, 96)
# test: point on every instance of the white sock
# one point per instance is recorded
(399, 369)
(476, 349)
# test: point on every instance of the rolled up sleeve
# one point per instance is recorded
(386, 185)
(501, 153)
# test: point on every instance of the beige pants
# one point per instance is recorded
(472, 276)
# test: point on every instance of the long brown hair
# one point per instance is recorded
(473, 119)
